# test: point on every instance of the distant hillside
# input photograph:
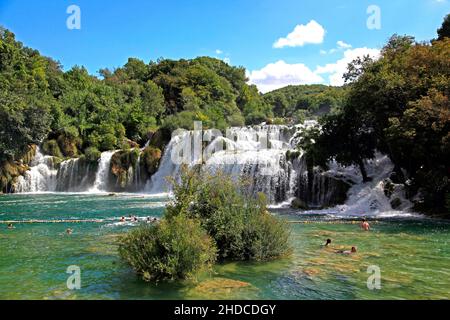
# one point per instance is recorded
(304, 101)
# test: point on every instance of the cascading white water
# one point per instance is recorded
(41, 177)
(102, 175)
(370, 198)
(75, 175)
(257, 153)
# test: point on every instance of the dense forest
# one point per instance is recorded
(297, 103)
(398, 105)
(72, 113)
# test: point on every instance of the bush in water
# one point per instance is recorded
(239, 223)
(211, 216)
(174, 249)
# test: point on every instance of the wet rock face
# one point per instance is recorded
(151, 158)
(122, 167)
(159, 139)
(318, 190)
(11, 170)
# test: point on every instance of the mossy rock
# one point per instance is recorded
(151, 157)
(160, 138)
(29, 154)
(9, 172)
(299, 204)
(292, 155)
(51, 148)
(92, 154)
(69, 146)
(121, 162)
(388, 188)
(396, 203)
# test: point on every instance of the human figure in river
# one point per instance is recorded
(348, 252)
(365, 225)
(327, 244)
(122, 219)
(10, 226)
(69, 231)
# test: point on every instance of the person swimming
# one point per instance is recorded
(348, 252)
(10, 226)
(122, 219)
(69, 231)
(365, 225)
(327, 244)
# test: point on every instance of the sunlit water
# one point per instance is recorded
(413, 255)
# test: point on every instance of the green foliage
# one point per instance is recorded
(51, 148)
(25, 96)
(306, 100)
(92, 154)
(240, 225)
(444, 30)
(174, 249)
(398, 105)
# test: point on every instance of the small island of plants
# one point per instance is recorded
(211, 219)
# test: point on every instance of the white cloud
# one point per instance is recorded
(335, 71)
(280, 74)
(312, 33)
(227, 60)
(343, 45)
(218, 51)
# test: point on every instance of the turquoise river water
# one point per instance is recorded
(412, 254)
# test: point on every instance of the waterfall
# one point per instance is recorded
(75, 175)
(102, 176)
(41, 177)
(257, 153)
(264, 155)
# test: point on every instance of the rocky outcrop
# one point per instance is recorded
(10, 170)
(318, 190)
(123, 164)
(151, 157)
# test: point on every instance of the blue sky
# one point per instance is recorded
(243, 32)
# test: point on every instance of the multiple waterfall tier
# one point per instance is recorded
(261, 154)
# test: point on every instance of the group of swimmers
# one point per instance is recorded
(364, 226)
(135, 219)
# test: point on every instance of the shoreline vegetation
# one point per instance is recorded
(397, 105)
(212, 218)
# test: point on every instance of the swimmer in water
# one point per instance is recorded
(327, 244)
(10, 226)
(69, 231)
(365, 225)
(122, 219)
(348, 252)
